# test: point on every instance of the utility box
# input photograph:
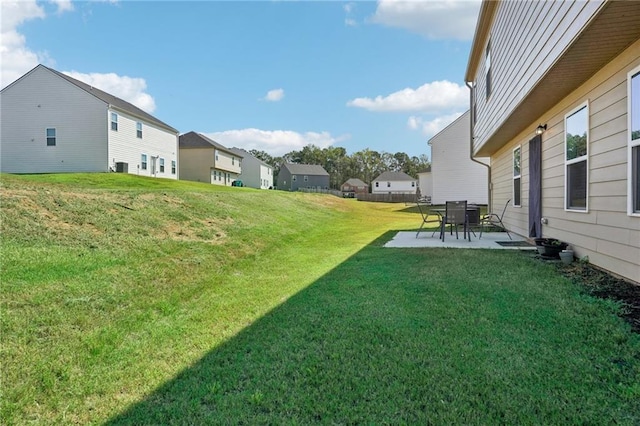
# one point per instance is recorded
(122, 167)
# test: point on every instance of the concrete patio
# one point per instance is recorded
(406, 239)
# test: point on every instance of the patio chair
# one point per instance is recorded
(428, 217)
(494, 221)
(454, 216)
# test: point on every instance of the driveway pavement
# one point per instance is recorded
(489, 241)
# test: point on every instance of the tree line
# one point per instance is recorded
(365, 165)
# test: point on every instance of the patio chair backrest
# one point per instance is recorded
(455, 212)
(505, 209)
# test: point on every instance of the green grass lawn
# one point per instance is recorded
(128, 300)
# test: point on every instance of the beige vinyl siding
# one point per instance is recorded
(542, 32)
(41, 100)
(228, 162)
(196, 164)
(606, 233)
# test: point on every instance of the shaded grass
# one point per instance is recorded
(195, 304)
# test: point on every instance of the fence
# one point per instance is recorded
(388, 198)
(322, 191)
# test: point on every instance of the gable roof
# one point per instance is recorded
(244, 153)
(198, 140)
(305, 169)
(394, 176)
(112, 101)
(355, 182)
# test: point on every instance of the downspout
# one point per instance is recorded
(471, 139)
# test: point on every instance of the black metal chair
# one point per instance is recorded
(494, 221)
(454, 216)
(428, 217)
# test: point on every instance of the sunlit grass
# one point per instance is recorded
(146, 301)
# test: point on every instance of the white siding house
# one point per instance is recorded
(52, 123)
(425, 183)
(455, 176)
(571, 70)
(255, 172)
(394, 183)
(204, 160)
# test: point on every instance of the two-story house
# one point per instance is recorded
(293, 176)
(204, 160)
(394, 183)
(53, 123)
(255, 172)
(555, 101)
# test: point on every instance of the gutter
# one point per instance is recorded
(471, 138)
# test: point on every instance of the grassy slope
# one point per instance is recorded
(203, 304)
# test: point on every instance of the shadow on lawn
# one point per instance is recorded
(357, 347)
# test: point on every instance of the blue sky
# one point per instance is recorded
(267, 75)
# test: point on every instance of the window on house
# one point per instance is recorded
(413, 184)
(233, 161)
(634, 141)
(388, 184)
(51, 136)
(139, 130)
(377, 184)
(488, 69)
(173, 167)
(306, 178)
(143, 161)
(162, 165)
(216, 155)
(576, 154)
(474, 111)
(114, 121)
(293, 178)
(517, 181)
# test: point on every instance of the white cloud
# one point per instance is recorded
(274, 142)
(348, 9)
(430, 97)
(128, 88)
(434, 19)
(274, 95)
(17, 59)
(431, 127)
(63, 5)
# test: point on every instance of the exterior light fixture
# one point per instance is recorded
(540, 129)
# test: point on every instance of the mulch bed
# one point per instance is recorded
(602, 284)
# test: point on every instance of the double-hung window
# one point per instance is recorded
(517, 176)
(293, 178)
(173, 167)
(162, 165)
(634, 142)
(487, 65)
(139, 130)
(143, 161)
(576, 149)
(51, 136)
(114, 121)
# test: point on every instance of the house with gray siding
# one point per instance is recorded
(294, 176)
(53, 123)
(555, 101)
(255, 172)
(204, 160)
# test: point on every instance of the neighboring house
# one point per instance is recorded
(293, 176)
(455, 176)
(205, 160)
(571, 69)
(52, 123)
(394, 183)
(425, 184)
(255, 172)
(354, 186)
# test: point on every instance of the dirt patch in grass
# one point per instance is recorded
(602, 284)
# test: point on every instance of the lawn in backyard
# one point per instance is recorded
(138, 301)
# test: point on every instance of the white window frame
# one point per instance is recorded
(161, 165)
(114, 121)
(631, 144)
(54, 137)
(293, 178)
(306, 178)
(488, 80)
(173, 167)
(139, 130)
(516, 203)
(585, 158)
(143, 161)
